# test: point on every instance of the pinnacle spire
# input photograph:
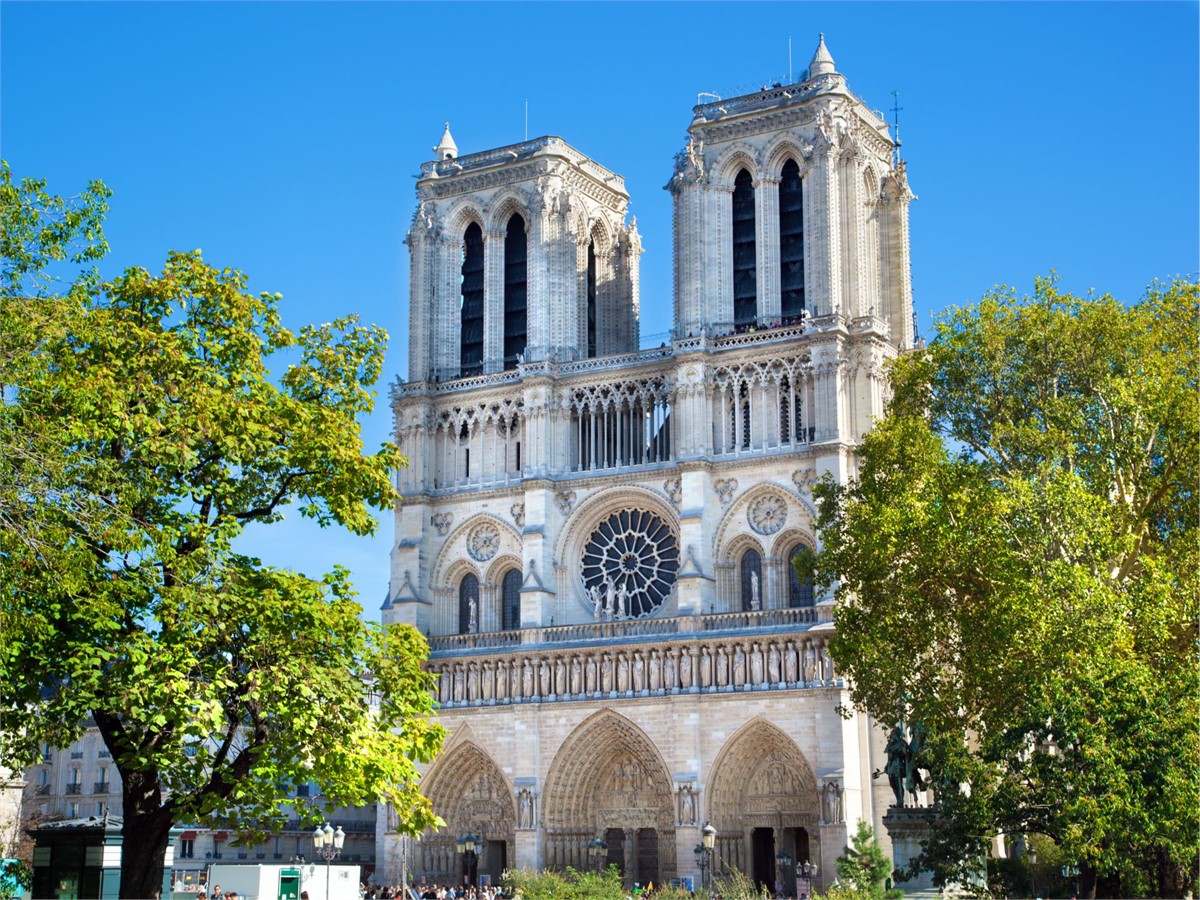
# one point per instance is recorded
(446, 148)
(822, 62)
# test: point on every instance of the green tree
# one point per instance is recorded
(217, 682)
(1016, 569)
(863, 868)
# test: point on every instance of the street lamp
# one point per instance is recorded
(708, 840)
(597, 851)
(327, 844)
(783, 862)
(1032, 854)
(467, 845)
(808, 871)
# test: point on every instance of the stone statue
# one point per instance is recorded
(527, 679)
(832, 802)
(472, 615)
(897, 762)
(610, 599)
(755, 602)
(687, 805)
(597, 602)
(622, 602)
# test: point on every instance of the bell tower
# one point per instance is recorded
(519, 254)
(788, 206)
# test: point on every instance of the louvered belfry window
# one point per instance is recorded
(471, 338)
(791, 243)
(591, 300)
(745, 272)
(516, 321)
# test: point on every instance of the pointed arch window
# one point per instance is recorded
(751, 580)
(510, 600)
(591, 299)
(468, 604)
(791, 243)
(516, 319)
(800, 590)
(745, 270)
(470, 342)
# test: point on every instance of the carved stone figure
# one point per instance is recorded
(576, 675)
(527, 679)
(687, 805)
(773, 673)
(622, 602)
(597, 602)
(623, 673)
(639, 673)
(832, 802)
(669, 681)
(610, 599)
(791, 665)
(757, 675)
(755, 602)
(544, 679)
(472, 615)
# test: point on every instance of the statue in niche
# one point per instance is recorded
(687, 805)
(527, 679)
(810, 664)
(544, 679)
(576, 675)
(473, 682)
(739, 666)
(790, 665)
(597, 602)
(756, 665)
(685, 669)
(623, 673)
(833, 802)
(472, 615)
(560, 676)
(639, 672)
(722, 667)
(773, 672)
(755, 602)
(591, 683)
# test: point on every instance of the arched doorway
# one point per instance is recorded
(609, 780)
(468, 790)
(763, 800)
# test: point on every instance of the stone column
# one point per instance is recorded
(766, 219)
(493, 299)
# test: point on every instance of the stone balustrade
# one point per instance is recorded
(696, 663)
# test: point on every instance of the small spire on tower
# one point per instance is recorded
(822, 62)
(446, 148)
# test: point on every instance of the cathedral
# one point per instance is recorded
(598, 539)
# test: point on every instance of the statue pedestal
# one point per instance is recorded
(908, 827)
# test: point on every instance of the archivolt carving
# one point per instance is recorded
(783, 148)
(760, 776)
(503, 206)
(469, 791)
(737, 156)
(462, 214)
(453, 550)
(608, 774)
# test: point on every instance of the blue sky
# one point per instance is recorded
(283, 139)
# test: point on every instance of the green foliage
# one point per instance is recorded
(569, 885)
(15, 879)
(734, 884)
(864, 868)
(216, 682)
(1016, 569)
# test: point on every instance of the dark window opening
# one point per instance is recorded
(471, 325)
(800, 590)
(510, 613)
(745, 270)
(516, 320)
(591, 300)
(468, 595)
(791, 244)
(751, 580)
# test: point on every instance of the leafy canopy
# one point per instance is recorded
(1016, 569)
(156, 434)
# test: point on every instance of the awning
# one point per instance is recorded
(188, 836)
(221, 836)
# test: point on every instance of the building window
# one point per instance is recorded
(800, 590)
(751, 580)
(511, 600)
(591, 299)
(791, 244)
(187, 848)
(468, 604)
(745, 271)
(471, 323)
(72, 810)
(515, 285)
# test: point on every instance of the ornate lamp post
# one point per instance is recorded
(783, 864)
(597, 851)
(807, 871)
(1032, 855)
(708, 840)
(467, 845)
(327, 844)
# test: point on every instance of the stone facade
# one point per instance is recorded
(598, 539)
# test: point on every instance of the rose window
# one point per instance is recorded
(630, 558)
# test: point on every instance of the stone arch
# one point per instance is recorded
(730, 532)
(760, 780)
(588, 516)
(461, 214)
(471, 793)
(608, 775)
(454, 548)
(780, 150)
(503, 207)
(790, 537)
(739, 155)
(601, 235)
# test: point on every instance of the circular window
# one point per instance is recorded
(629, 564)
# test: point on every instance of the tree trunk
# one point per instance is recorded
(147, 831)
